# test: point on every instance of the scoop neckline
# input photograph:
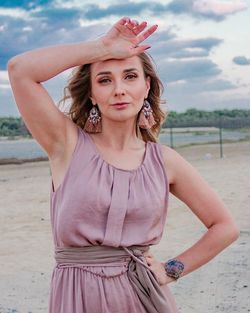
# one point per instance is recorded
(113, 166)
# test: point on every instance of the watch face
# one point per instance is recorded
(174, 268)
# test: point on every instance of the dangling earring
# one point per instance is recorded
(146, 119)
(93, 123)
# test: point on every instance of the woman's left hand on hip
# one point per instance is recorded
(157, 268)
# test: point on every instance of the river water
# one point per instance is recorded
(30, 149)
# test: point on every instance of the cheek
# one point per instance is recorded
(101, 94)
(138, 92)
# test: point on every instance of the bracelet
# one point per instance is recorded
(174, 268)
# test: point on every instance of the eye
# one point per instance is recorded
(131, 76)
(104, 80)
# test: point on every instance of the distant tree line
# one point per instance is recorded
(236, 118)
(13, 126)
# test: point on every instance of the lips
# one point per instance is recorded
(120, 103)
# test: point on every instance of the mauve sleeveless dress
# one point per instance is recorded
(100, 204)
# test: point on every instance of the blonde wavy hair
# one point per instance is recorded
(78, 91)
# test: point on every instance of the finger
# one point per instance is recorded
(147, 33)
(123, 20)
(141, 49)
(140, 28)
(149, 261)
(132, 25)
(148, 253)
(135, 22)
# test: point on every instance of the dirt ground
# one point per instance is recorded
(26, 246)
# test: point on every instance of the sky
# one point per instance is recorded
(201, 48)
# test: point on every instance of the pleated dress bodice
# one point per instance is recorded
(100, 204)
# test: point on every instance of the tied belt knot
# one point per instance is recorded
(141, 277)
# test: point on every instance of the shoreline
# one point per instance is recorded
(6, 161)
(178, 148)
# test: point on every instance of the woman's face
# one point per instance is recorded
(119, 81)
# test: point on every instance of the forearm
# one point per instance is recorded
(217, 238)
(45, 63)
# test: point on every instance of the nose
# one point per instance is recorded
(119, 88)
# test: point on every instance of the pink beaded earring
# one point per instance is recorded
(146, 119)
(93, 123)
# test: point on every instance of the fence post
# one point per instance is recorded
(171, 138)
(220, 133)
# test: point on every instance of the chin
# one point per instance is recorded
(122, 117)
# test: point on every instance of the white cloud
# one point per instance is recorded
(80, 4)
(219, 7)
(3, 27)
(4, 76)
(4, 81)
(4, 86)
(17, 12)
(27, 29)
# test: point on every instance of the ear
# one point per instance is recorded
(147, 85)
(92, 100)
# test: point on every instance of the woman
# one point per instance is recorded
(110, 177)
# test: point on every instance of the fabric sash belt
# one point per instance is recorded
(139, 273)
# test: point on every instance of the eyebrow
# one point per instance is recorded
(125, 71)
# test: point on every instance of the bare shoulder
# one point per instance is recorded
(184, 180)
(171, 160)
(168, 157)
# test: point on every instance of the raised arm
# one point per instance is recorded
(47, 124)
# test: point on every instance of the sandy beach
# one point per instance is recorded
(26, 246)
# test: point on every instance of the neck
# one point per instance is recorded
(119, 135)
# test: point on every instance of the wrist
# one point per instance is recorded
(104, 53)
(168, 279)
(91, 51)
(174, 268)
